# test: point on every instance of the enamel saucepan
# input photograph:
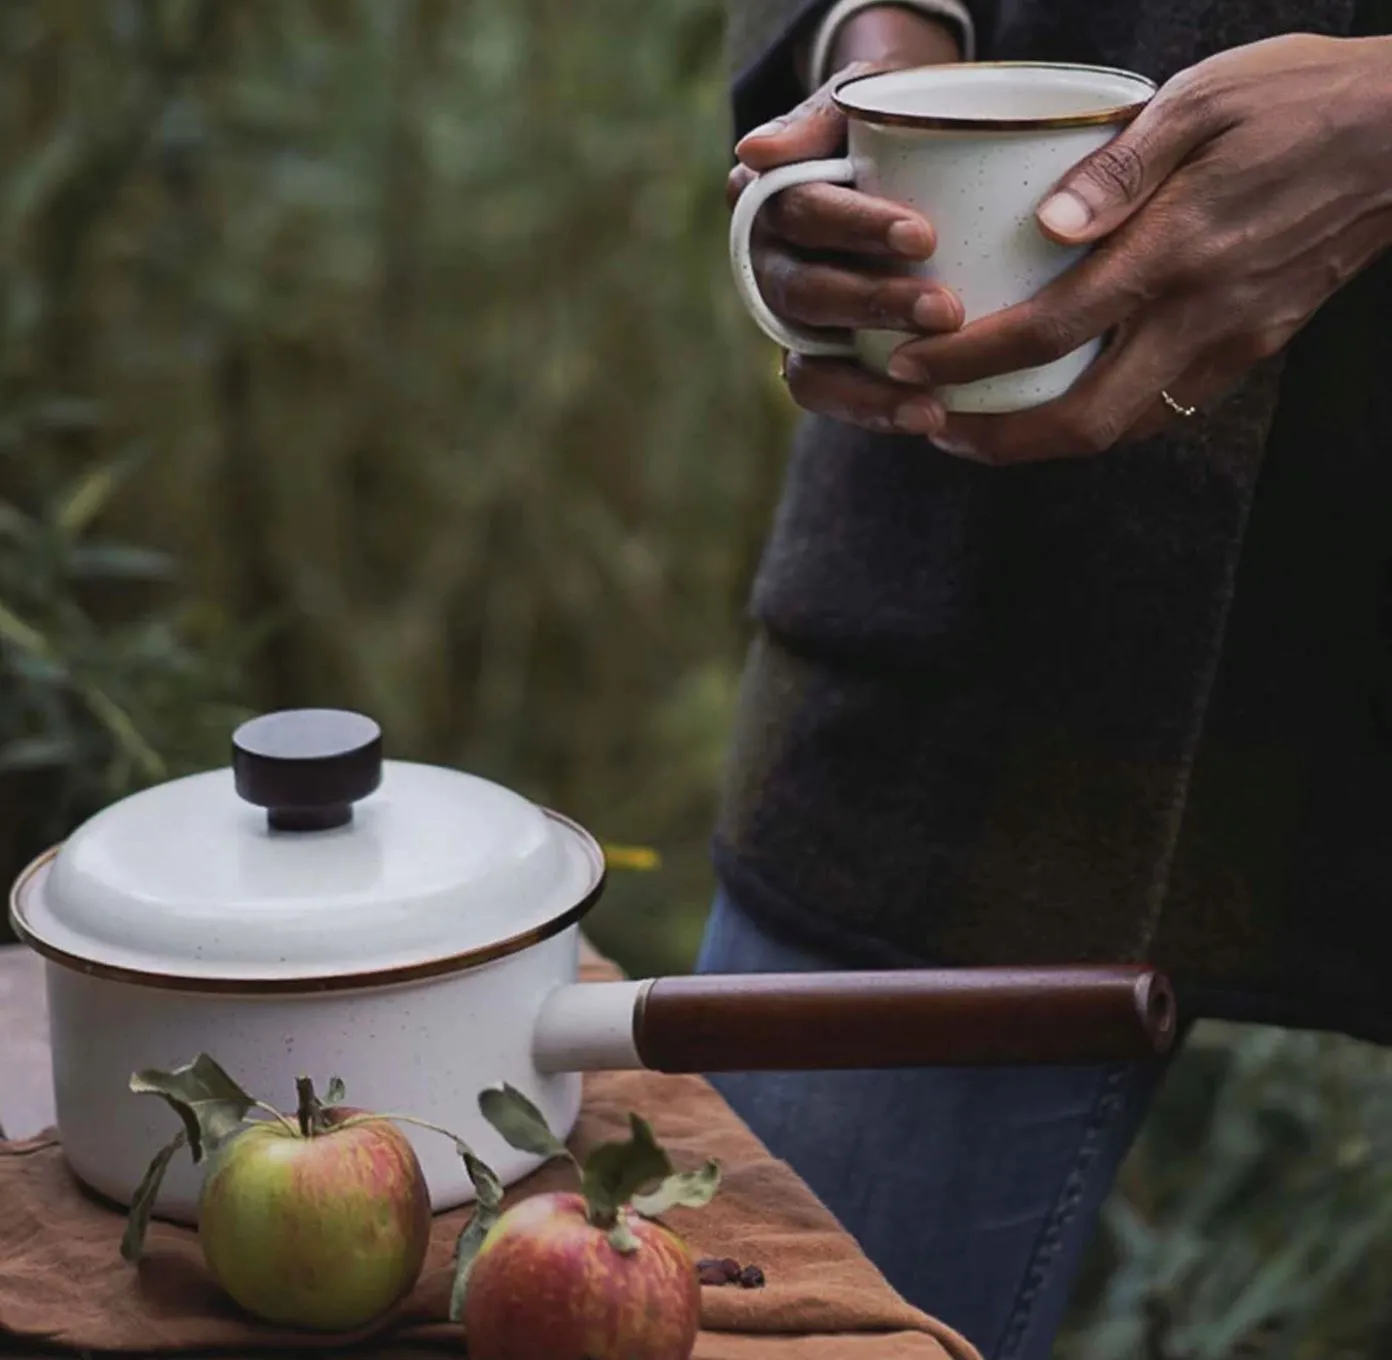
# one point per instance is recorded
(316, 910)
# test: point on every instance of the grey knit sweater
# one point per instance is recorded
(1133, 706)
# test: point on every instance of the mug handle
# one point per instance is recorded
(798, 339)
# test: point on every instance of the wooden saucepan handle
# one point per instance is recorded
(910, 1018)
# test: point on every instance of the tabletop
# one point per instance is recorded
(26, 1095)
(829, 1301)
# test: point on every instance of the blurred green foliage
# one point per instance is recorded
(420, 313)
(382, 353)
(1254, 1217)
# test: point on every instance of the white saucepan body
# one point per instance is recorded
(424, 1049)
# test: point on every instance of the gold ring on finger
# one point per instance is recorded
(1178, 407)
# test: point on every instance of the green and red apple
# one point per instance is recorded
(548, 1282)
(326, 1232)
(591, 1275)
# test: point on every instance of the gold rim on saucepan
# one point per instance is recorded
(337, 982)
(1117, 113)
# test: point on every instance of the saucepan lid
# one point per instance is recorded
(310, 863)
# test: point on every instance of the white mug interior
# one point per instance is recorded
(1033, 95)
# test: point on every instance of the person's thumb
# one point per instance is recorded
(814, 129)
(1103, 191)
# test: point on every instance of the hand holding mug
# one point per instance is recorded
(820, 255)
(1254, 186)
(948, 164)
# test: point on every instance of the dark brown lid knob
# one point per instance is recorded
(307, 766)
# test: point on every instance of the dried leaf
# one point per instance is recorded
(143, 1202)
(684, 1190)
(487, 1186)
(211, 1105)
(519, 1122)
(614, 1172)
(488, 1208)
(337, 1092)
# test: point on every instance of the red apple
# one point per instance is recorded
(547, 1282)
(327, 1231)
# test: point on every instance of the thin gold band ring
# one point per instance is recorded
(1178, 408)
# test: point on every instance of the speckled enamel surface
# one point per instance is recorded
(424, 1049)
(979, 190)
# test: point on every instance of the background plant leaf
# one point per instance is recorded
(37, 753)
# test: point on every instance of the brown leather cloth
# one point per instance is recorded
(63, 1283)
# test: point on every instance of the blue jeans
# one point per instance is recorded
(974, 1190)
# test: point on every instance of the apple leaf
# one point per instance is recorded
(614, 1172)
(337, 1092)
(685, 1190)
(487, 1186)
(520, 1124)
(488, 1208)
(143, 1202)
(211, 1105)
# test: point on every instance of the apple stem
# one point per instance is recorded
(621, 1237)
(275, 1114)
(308, 1106)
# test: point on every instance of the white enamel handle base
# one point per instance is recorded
(798, 339)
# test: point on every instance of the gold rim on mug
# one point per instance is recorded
(1117, 113)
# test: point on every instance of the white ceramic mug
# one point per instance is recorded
(975, 148)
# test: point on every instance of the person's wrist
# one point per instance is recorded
(1373, 124)
(894, 36)
(888, 36)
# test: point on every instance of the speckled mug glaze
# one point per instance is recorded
(975, 148)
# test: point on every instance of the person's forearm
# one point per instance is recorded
(892, 35)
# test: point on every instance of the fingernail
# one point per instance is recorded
(910, 238)
(906, 370)
(1065, 213)
(935, 312)
(769, 129)
(959, 447)
(919, 417)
